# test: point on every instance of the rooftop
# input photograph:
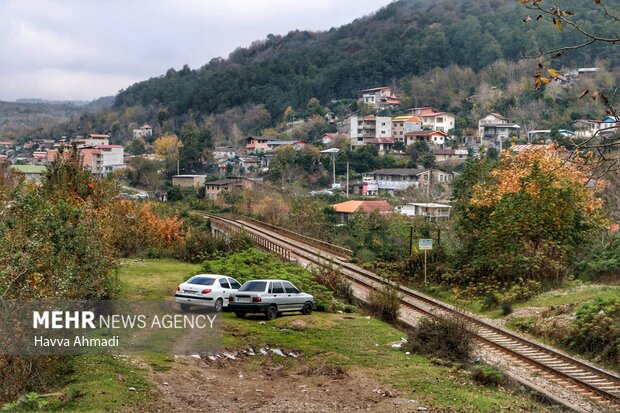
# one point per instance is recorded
(502, 125)
(426, 133)
(363, 206)
(189, 176)
(221, 182)
(429, 205)
(399, 171)
(29, 169)
(376, 89)
(450, 151)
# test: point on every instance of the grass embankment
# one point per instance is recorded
(99, 383)
(570, 293)
(553, 317)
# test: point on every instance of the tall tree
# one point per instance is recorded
(195, 144)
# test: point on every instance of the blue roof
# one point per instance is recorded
(609, 119)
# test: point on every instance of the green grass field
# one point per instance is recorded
(102, 384)
(575, 292)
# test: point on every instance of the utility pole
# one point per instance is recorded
(347, 179)
(410, 240)
(332, 152)
(333, 170)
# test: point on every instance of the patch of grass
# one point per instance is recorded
(487, 375)
(153, 279)
(100, 384)
(359, 341)
(575, 292)
(159, 362)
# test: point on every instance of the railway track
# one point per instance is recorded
(584, 379)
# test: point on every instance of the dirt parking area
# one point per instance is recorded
(264, 385)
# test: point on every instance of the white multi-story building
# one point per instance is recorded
(94, 139)
(112, 157)
(144, 131)
(400, 179)
(405, 124)
(494, 129)
(381, 97)
(585, 128)
(430, 211)
(363, 128)
(434, 120)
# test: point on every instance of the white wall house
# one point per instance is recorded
(144, 131)
(430, 211)
(494, 130)
(434, 120)
(382, 97)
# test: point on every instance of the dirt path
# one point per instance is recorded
(193, 385)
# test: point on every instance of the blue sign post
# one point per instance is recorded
(425, 245)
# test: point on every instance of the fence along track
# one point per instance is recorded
(577, 376)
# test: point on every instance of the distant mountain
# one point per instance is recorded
(407, 37)
(53, 102)
(103, 103)
(28, 116)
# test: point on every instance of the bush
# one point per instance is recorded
(252, 264)
(333, 279)
(385, 302)
(596, 329)
(487, 375)
(506, 308)
(201, 245)
(446, 338)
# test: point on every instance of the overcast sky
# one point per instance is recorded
(84, 49)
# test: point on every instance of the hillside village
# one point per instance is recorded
(385, 129)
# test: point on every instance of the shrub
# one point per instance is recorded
(385, 302)
(201, 245)
(332, 278)
(251, 264)
(506, 308)
(29, 401)
(487, 375)
(446, 338)
(596, 329)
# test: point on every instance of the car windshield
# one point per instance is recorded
(253, 286)
(201, 280)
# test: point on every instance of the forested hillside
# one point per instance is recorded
(408, 37)
(36, 116)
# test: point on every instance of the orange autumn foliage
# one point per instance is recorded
(511, 177)
(130, 228)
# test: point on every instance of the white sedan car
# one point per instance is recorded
(206, 290)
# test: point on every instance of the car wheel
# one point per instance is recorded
(307, 309)
(272, 312)
(239, 314)
(219, 304)
(185, 307)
